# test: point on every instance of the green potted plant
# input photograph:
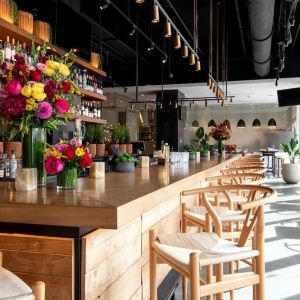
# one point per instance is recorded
(114, 139)
(122, 137)
(90, 138)
(213, 149)
(124, 163)
(191, 149)
(99, 140)
(291, 171)
(127, 140)
(204, 146)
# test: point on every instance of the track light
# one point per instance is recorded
(164, 60)
(177, 41)
(104, 4)
(185, 51)
(192, 59)
(197, 66)
(151, 47)
(155, 14)
(132, 32)
(168, 29)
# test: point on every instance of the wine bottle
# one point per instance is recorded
(13, 51)
(7, 50)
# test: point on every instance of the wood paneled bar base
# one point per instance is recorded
(92, 242)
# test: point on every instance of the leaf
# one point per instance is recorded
(293, 143)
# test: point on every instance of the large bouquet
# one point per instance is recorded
(66, 155)
(221, 132)
(36, 95)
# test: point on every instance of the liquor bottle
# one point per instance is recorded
(95, 111)
(95, 84)
(24, 53)
(91, 111)
(7, 50)
(75, 76)
(99, 111)
(13, 164)
(13, 51)
(2, 167)
(82, 109)
(86, 110)
(2, 50)
(101, 89)
(84, 79)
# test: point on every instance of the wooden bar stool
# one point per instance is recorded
(243, 169)
(188, 253)
(13, 288)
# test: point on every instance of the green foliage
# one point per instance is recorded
(126, 157)
(90, 133)
(190, 148)
(200, 133)
(115, 134)
(99, 134)
(127, 135)
(292, 148)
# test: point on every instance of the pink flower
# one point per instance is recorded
(14, 87)
(75, 142)
(53, 165)
(61, 147)
(41, 66)
(44, 110)
(62, 106)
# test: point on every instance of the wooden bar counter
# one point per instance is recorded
(91, 243)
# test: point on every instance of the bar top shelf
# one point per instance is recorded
(109, 202)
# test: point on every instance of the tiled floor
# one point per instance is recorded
(282, 239)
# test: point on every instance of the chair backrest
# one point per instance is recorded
(253, 210)
(243, 169)
(244, 178)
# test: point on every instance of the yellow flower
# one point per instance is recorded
(26, 91)
(29, 107)
(79, 151)
(39, 96)
(52, 64)
(55, 153)
(78, 92)
(48, 71)
(30, 101)
(38, 88)
(64, 70)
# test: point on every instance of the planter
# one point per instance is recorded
(124, 167)
(15, 146)
(100, 150)
(291, 173)
(123, 147)
(67, 179)
(34, 144)
(129, 148)
(110, 151)
(92, 149)
(1, 148)
(192, 156)
(204, 154)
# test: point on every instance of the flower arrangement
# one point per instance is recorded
(221, 132)
(230, 148)
(66, 155)
(37, 95)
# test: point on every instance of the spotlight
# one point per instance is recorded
(164, 60)
(151, 47)
(132, 32)
(104, 4)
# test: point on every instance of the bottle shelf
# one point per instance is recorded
(22, 36)
(86, 94)
(92, 120)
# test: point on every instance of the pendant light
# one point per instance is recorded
(272, 123)
(211, 123)
(256, 122)
(139, 1)
(155, 13)
(195, 123)
(198, 66)
(185, 51)
(241, 122)
(192, 59)
(168, 29)
(177, 41)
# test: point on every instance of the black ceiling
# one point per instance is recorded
(76, 25)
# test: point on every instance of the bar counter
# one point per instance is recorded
(92, 242)
(109, 202)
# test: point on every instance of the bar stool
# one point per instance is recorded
(243, 169)
(187, 253)
(278, 165)
(13, 288)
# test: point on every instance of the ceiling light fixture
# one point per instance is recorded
(241, 123)
(104, 4)
(198, 66)
(195, 123)
(151, 47)
(192, 59)
(155, 14)
(168, 29)
(132, 32)
(177, 41)
(256, 123)
(211, 123)
(139, 1)
(164, 60)
(185, 51)
(272, 123)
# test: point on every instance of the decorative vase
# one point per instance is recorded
(123, 147)
(291, 173)
(100, 150)
(34, 144)
(92, 149)
(129, 148)
(67, 179)
(220, 147)
(124, 167)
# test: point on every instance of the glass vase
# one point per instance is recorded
(67, 179)
(220, 147)
(34, 144)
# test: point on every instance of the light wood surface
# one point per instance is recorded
(109, 202)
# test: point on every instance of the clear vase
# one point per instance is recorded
(33, 147)
(67, 179)
(220, 147)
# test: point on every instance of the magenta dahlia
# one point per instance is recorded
(44, 110)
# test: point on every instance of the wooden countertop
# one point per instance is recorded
(109, 202)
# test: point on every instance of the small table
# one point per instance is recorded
(270, 153)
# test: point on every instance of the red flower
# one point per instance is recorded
(62, 106)
(86, 160)
(19, 59)
(68, 152)
(12, 107)
(53, 165)
(66, 85)
(35, 75)
(14, 87)
(50, 88)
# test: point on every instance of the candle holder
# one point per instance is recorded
(26, 179)
(97, 170)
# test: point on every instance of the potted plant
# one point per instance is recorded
(213, 149)
(191, 149)
(90, 138)
(124, 163)
(99, 140)
(291, 171)
(114, 139)
(204, 146)
(127, 140)
(122, 137)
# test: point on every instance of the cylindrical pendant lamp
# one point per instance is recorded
(185, 51)
(197, 66)
(26, 21)
(42, 30)
(192, 59)
(177, 41)
(139, 1)
(95, 59)
(168, 29)
(155, 14)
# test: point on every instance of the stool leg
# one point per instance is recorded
(38, 289)
(195, 280)
(153, 267)
(209, 271)
(183, 219)
(184, 287)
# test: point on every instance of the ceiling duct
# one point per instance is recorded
(261, 15)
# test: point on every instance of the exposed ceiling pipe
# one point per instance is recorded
(261, 15)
